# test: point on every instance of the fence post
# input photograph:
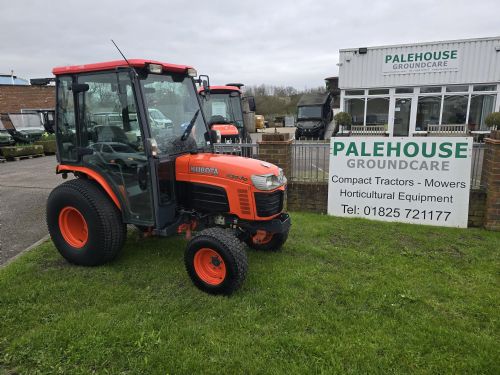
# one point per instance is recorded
(276, 148)
(491, 179)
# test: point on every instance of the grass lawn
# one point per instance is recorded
(344, 296)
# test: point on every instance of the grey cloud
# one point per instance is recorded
(275, 42)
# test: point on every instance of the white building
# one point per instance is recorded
(407, 87)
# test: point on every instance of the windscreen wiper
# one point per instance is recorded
(187, 132)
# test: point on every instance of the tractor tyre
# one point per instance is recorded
(270, 242)
(84, 224)
(216, 261)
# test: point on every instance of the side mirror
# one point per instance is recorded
(206, 87)
(251, 103)
(80, 87)
(204, 81)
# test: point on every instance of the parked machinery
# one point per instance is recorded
(23, 127)
(5, 137)
(167, 182)
(229, 112)
(315, 116)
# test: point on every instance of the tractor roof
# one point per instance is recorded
(313, 99)
(221, 89)
(110, 65)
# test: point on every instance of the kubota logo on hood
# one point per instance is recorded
(205, 170)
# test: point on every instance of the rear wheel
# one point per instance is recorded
(84, 224)
(216, 261)
(267, 241)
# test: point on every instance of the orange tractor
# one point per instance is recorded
(160, 176)
(225, 108)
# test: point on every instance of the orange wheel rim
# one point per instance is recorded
(73, 227)
(209, 266)
(262, 237)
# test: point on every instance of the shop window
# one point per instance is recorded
(457, 88)
(356, 108)
(485, 87)
(355, 92)
(378, 92)
(428, 110)
(404, 90)
(430, 89)
(377, 111)
(480, 107)
(454, 109)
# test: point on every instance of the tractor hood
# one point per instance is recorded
(225, 129)
(230, 167)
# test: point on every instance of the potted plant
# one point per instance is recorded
(493, 122)
(343, 121)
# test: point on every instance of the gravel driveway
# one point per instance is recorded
(24, 188)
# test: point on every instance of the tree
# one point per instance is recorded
(493, 120)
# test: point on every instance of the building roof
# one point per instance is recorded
(8, 79)
(423, 43)
(110, 65)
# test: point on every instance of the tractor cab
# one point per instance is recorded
(314, 116)
(223, 109)
(128, 124)
(135, 135)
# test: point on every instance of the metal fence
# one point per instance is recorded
(477, 165)
(249, 150)
(311, 159)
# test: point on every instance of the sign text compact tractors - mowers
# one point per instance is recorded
(162, 179)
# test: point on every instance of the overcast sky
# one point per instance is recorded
(291, 42)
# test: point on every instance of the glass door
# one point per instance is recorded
(402, 114)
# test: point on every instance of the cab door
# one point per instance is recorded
(111, 134)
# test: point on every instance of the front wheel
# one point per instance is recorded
(267, 241)
(216, 261)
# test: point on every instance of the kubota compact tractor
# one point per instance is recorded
(223, 106)
(162, 179)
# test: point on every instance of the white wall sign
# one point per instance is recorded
(416, 180)
(421, 62)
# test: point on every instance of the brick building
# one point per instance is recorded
(13, 98)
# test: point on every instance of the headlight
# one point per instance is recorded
(192, 72)
(268, 181)
(219, 136)
(155, 68)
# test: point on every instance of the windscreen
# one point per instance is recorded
(309, 112)
(27, 121)
(172, 103)
(223, 109)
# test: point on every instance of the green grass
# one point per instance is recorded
(344, 296)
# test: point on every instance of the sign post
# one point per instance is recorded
(416, 180)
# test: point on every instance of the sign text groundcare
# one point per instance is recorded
(420, 180)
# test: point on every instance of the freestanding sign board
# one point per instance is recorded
(414, 180)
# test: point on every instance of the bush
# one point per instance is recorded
(343, 118)
(21, 150)
(493, 120)
(49, 146)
